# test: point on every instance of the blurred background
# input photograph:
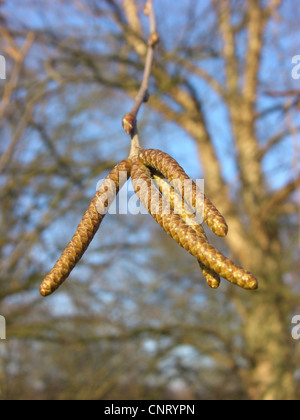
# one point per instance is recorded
(136, 319)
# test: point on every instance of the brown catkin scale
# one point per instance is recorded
(178, 204)
(87, 228)
(183, 234)
(172, 171)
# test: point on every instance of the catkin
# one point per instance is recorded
(179, 206)
(175, 174)
(183, 234)
(87, 228)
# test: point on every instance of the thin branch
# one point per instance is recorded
(272, 7)
(223, 12)
(283, 93)
(130, 119)
(201, 73)
(283, 108)
(273, 141)
(133, 28)
(7, 156)
(280, 196)
(132, 16)
(19, 56)
(256, 28)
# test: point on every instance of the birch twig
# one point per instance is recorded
(130, 119)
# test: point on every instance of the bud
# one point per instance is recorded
(146, 96)
(154, 39)
(128, 123)
(146, 9)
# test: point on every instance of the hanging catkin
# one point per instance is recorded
(183, 234)
(175, 210)
(179, 206)
(144, 166)
(87, 228)
(174, 173)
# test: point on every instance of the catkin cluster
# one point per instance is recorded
(174, 201)
(154, 164)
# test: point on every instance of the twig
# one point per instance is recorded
(19, 56)
(280, 196)
(130, 119)
(135, 143)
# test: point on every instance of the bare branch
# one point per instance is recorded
(135, 37)
(201, 73)
(280, 196)
(256, 27)
(272, 6)
(18, 55)
(224, 21)
(130, 119)
(143, 94)
(8, 154)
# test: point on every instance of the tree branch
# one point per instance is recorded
(18, 54)
(136, 35)
(129, 120)
(201, 73)
(274, 140)
(280, 196)
(256, 27)
(231, 64)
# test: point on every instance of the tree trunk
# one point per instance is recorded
(271, 376)
(267, 339)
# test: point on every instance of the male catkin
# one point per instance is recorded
(178, 205)
(175, 174)
(183, 234)
(87, 228)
